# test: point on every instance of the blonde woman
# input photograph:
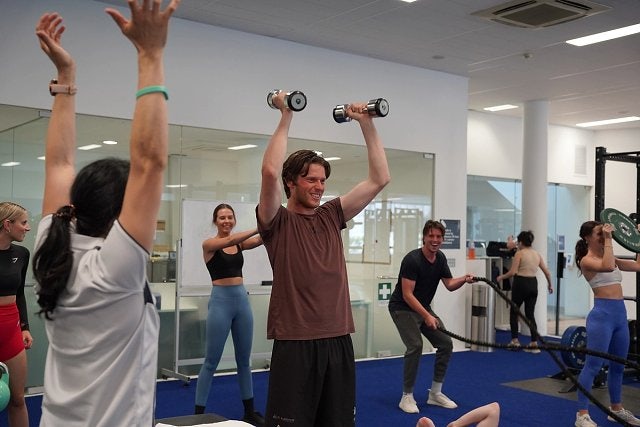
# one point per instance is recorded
(14, 325)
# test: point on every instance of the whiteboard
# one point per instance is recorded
(197, 225)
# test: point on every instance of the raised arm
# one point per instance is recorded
(608, 261)
(60, 146)
(627, 264)
(246, 239)
(147, 30)
(359, 196)
(271, 188)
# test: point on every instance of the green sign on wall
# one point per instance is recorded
(384, 292)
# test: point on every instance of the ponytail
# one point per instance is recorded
(53, 260)
(97, 195)
(581, 251)
(586, 229)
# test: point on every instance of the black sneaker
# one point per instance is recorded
(255, 418)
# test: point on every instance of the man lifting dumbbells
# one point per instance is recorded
(312, 378)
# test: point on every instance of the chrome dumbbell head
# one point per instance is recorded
(378, 107)
(340, 113)
(295, 101)
(375, 108)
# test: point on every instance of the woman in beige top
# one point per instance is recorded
(525, 287)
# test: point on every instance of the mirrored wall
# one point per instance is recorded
(204, 165)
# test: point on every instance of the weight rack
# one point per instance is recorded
(601, 160)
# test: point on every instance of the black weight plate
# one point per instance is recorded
(574, 336)
(625, 231)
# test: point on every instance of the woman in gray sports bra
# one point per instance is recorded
(607, 327)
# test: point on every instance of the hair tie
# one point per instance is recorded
(67, 212)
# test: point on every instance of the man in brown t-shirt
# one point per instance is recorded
(312, 378)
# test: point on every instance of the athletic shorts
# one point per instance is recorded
(312, 383)
(10, 333)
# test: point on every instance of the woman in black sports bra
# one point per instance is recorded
(229, 309)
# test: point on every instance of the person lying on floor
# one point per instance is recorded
(484, 416)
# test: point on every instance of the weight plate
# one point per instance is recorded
(625, 231)
(574, 336)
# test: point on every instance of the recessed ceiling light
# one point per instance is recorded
(10, 164)
(328, 159)
(41, 158)
(109, 142)
(89, 147)
(501, 107)
(607, 35)
(409, 1)
(242, 147)
(608, 122)
(176, 185)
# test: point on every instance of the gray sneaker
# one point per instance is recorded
(626, 416)
(408, 404)
(440, 399)
(584, 420)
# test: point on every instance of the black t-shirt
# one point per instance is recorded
(427, 275)
(13, 273)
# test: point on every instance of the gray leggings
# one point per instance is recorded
(411, 327)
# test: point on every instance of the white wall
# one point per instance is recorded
(495, 147)
(219, 78)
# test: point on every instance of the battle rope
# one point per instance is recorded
(549, 348)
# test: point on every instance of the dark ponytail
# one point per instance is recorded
(581, 245)
(53, 260)
(96, 195)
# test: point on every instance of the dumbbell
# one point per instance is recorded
(5, 393)
(295, 101)
(376, 108)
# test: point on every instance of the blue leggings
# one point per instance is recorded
(608, 332)
(229, 310)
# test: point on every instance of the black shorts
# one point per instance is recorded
(312, 383)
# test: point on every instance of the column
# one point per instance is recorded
(534, 192)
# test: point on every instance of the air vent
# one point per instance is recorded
(540, 13)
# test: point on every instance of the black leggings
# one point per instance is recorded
(524, 289)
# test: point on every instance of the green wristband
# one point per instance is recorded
(153, 89)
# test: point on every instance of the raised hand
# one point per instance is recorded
(148, 26)
(358, 111)
(49, 31)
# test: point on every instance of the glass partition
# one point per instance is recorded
(202, 167)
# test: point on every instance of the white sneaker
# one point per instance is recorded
(625, 415)
(584, 420)
(408, 404)
(441, 399)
